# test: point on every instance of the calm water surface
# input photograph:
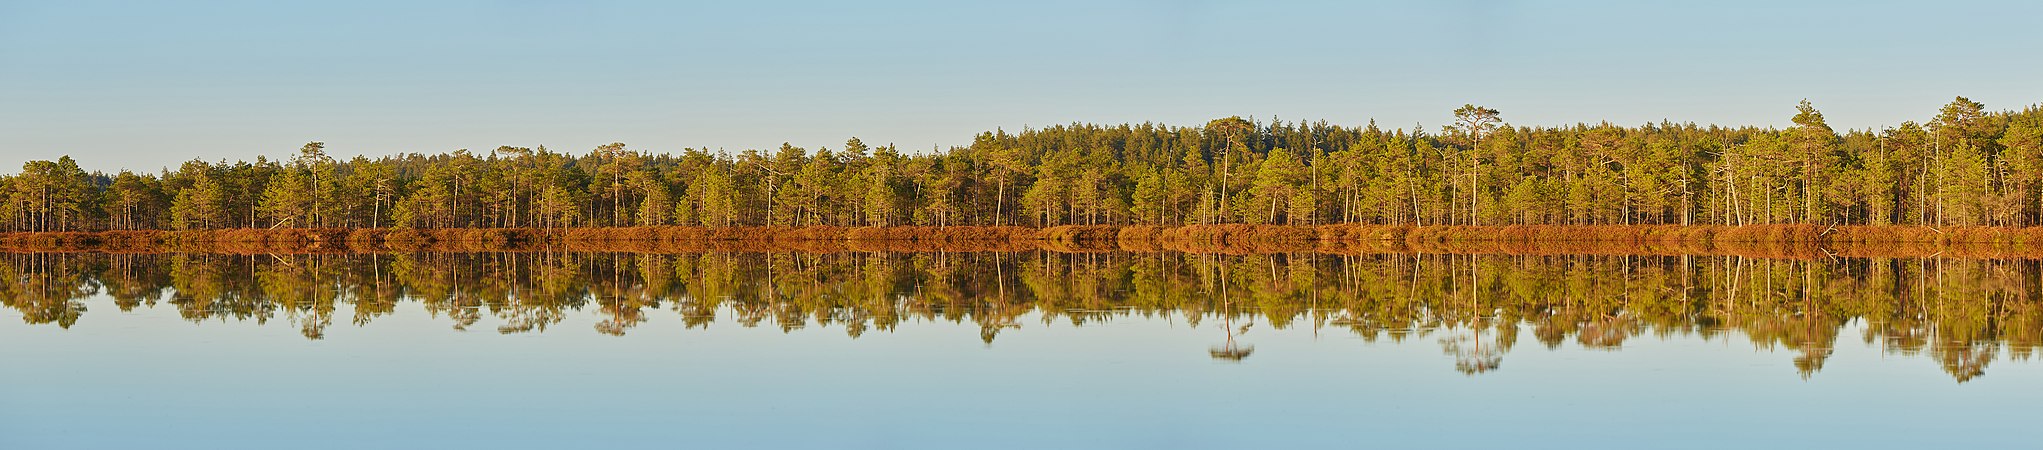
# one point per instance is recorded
(1014, 350)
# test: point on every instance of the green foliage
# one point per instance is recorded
(52, 196)
(199, 206)
(1966, 166)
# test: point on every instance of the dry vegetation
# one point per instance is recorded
(1773, 241)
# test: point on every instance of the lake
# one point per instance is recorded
(1032, 349)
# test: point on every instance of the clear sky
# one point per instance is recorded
(149, 84)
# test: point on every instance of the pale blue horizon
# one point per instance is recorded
(144, 86)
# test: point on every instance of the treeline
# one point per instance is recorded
(1965, 166)
(1963, 314)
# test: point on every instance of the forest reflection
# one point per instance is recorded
(1962, 313)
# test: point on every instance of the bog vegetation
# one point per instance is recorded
(1761, 241)
(1967, 166)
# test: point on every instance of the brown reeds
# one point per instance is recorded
(1772, 241)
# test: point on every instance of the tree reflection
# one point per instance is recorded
(1471, 357)
(1231, 350)
(1963, 313)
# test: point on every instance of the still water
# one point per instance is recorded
(1015, 350)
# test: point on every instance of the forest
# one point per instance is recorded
(1966, 166)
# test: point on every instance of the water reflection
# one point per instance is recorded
(1961, 313)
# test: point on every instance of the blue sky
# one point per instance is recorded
(147, 85)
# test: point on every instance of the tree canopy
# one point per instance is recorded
(1966, 166)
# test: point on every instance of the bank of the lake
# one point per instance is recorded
(1798, 240)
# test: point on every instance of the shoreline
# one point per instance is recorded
(1791, 241)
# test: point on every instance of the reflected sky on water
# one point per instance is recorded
(1017, 351)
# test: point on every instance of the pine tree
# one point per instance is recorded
(199, 206)
(289, 200)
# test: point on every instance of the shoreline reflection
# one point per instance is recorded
(1963, 314)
